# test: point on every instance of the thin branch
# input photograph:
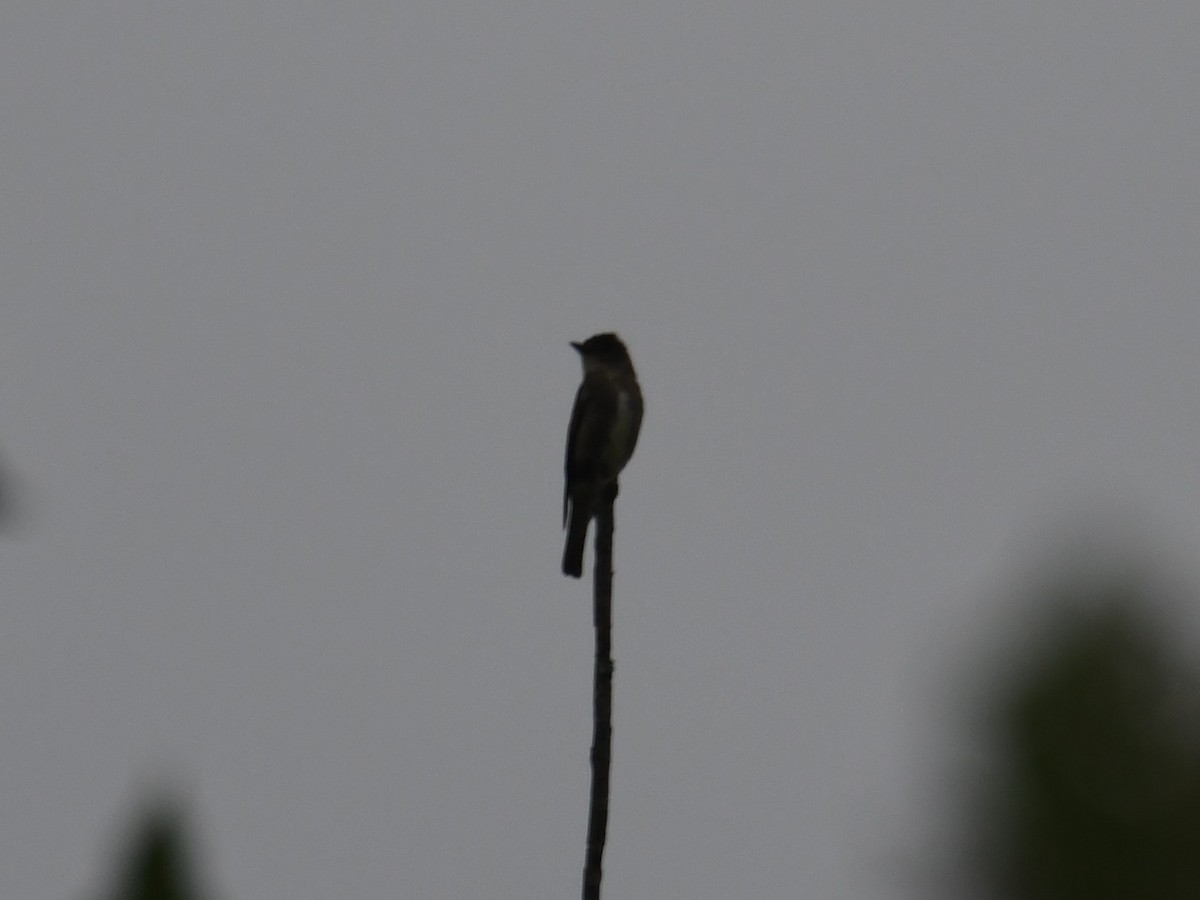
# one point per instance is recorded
(601, 699)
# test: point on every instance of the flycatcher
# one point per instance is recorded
(604, 428)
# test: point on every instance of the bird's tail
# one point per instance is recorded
(581, 514)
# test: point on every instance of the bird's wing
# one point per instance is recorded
(591, 420)
(572, 440)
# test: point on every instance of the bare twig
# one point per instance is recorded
(601, 699)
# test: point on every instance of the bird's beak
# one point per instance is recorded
(577, 346)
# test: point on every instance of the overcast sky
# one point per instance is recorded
(285, 379)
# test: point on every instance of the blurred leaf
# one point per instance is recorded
(1097, 793)
(158, 860)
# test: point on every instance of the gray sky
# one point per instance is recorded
(284, 373)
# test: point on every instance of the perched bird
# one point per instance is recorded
(604, 428)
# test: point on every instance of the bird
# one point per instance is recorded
(605, 422)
